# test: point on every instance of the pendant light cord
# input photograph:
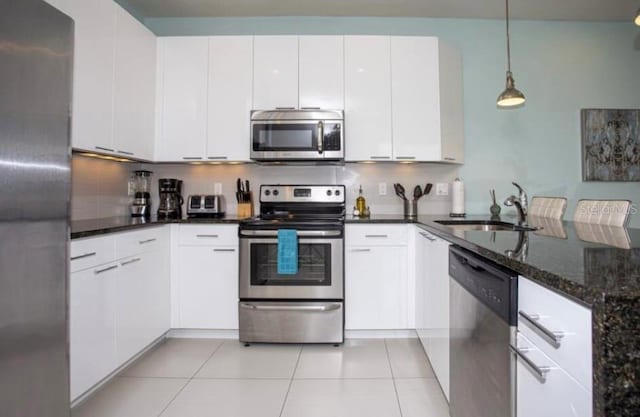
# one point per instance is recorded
(508, 40)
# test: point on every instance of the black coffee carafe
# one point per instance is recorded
(170, 198)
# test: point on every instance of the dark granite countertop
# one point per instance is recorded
(597, 266)
(95, 227)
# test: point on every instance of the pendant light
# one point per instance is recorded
(511, 96)
(637, 20)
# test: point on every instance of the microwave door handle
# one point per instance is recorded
(320, 136)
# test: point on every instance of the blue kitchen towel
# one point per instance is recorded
(287, 252)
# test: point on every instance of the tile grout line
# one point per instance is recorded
(286, 396)
(189, 380)
(393, 377)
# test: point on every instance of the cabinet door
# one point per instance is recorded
(368, 97)
(416, 99)
(230, 94)
(275, 72)
(376, 287)
(184, 70)
(322, 72)
(134, 87)
(92, 348)
(208, 287)
(422, 296)
(93, 62)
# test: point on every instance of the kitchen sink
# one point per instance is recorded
(485, 225)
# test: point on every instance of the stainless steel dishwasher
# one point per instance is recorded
(483, 305)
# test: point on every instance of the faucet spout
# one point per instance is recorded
(512, 201)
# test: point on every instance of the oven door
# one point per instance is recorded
(320, 266)
(296, 140)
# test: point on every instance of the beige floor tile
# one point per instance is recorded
(234, 360)
(356, 358)
(229, 398)
(175, 358)
(408, 359)
(342, 398)
(421, 397)
(131, 397)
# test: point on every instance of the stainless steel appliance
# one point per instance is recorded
(483, 308)
(205, 206)
(297, 135)
(170, 198)
(307, 307)
(141, 205)
(36, 62)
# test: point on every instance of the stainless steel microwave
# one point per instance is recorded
(297, 135)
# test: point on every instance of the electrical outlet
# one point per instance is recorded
(217, 188)
(442, 188)
(382, 188)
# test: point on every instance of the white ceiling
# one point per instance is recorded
(590, 10)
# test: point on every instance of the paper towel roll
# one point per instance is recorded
(457, 198)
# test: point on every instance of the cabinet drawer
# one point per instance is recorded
(85, 253)
(140, 241)
(376, 235)
(218, 235)
(558, 395)
(543, 314)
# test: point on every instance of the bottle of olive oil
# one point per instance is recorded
(361, 204)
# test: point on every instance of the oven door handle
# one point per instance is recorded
(325, 307)
(301, 233)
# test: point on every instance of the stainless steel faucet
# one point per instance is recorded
(520, 202)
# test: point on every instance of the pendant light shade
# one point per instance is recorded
(637, 20)
(511, 96)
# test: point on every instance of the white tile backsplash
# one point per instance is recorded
(100, 187)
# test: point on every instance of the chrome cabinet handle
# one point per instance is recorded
(379, 157)
(125, 152)
(86, 255)
(142, 242)
(553, 338)
(540, 372)
(446, 158)
(320, 136)
(432, 239)
(304, 233)
(104, 149)
(405, 157)
(191, 158)
(329, 307)
(207, 236)
(134, 260)
(360, 250)
(217, 157)
(377, 236)
(100, 271)
(224, 250)
(285, 108)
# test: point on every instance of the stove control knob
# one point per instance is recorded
(276, 192)
(267, 193)
(329, 193)
(337, 192)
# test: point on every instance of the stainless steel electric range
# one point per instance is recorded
(303, 307)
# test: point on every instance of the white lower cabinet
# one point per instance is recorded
(558, 395)
(207, 278)
(376, 277)
(432, 302)
(117, 308)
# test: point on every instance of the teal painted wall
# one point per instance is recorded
(562, 67)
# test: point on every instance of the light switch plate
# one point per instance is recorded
(382, 188)
(442, 188)
(217, 188)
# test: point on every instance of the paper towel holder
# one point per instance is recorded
(457, 192)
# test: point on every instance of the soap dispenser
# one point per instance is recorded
(361, 205)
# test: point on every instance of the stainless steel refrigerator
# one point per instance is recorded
(36, 55)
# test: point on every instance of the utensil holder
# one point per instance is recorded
(245, 210)
(411, 209)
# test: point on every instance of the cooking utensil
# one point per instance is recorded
(397, 190)
(427, 189)
(402, 191)
(417, 192)
(495, 208)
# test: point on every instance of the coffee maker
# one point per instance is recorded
(170, 198)
(141, 205)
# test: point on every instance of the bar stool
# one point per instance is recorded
(606, 212)
(548, 207)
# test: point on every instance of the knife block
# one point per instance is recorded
(245, 210)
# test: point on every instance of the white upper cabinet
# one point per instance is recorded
(62, 5)
(368, 98)
(275, 72)
(95, 26)
(230, 95)
(426, 88)
(134, 87)
(321, 72)
(183, 69)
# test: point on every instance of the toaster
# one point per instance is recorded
(205, 206)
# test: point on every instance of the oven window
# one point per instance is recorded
(314, 265)
(285, 137)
